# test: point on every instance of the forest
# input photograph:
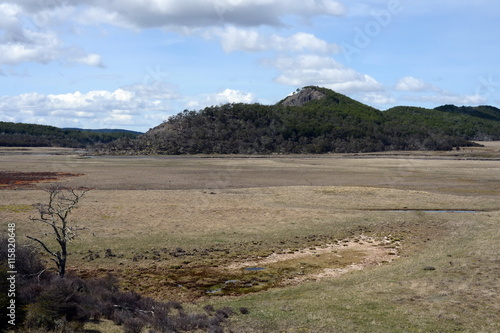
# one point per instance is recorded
(32, 135)
(314, 121)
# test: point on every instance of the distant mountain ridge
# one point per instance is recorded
(482, 111)
(33, 135)
(314, 120)
(103, 130)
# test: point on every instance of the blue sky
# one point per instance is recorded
(133, 63)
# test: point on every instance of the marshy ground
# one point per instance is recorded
(396, 242)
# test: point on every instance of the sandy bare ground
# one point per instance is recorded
(374, 252)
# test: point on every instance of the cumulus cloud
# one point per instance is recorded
(428, 93)
(223, 97)
(445, 97)
(139, 105)
(91, 59)
(324, 71)
(29, 46)
(22, 38)
(409, 83)
(8, 15)
(378, 98)
(135, 105)
(39, 42)
(251, 40)
(231, 96)
(204, 13)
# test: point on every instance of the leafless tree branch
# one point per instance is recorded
(55, 214)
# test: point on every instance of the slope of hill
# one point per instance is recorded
(420, 121)
(482, 111)
(313, 120)
(31, 135)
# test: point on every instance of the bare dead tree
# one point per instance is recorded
(55, 214)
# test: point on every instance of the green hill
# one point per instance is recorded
(313, 120)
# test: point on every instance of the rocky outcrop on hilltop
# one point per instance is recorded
(303, 96)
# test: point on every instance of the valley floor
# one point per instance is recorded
(188, 227)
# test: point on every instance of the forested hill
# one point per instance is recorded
(31, 135)
(314, 120)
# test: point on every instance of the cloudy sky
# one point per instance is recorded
(132, 63)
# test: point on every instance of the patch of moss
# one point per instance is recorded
(15, 208)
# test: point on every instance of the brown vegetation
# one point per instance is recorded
(14, 179)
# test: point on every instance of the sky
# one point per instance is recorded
(133, 63)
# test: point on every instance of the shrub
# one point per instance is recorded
(63, 305)
(58, 301)
(133, 325)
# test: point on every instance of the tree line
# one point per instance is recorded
(32, 135)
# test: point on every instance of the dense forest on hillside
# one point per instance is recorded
(314, 120)
(31, 135)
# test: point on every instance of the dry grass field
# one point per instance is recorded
(393, 242)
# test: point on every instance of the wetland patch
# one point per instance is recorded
(194, 281)
(430, 210)
(14, 179)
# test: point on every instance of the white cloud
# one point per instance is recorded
(223, 97)
(39, 42)
(8, 15)
(448, 98)
(204, 13)
(323, 71)
(378, 98)
(232, 96)
(27, 38)
(95, 15)
(29, 46)
(133, 105)
(428, 93)
(91, 59)
(236, 39)
(140, 106)
(409, 83)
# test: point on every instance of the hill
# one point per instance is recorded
(32, 135)
(313, 120)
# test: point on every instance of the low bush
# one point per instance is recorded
(55, 304)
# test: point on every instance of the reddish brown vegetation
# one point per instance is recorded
(13, 179)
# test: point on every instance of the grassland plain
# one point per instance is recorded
(172, 228)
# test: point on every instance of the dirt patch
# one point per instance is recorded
(11, 179)
(330, 260)
(193, 278)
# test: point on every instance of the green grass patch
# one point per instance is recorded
(16, 208)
